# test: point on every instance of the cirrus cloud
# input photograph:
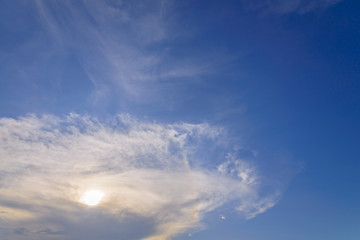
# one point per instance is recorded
(289, 6)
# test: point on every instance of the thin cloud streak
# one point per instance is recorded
(149, 173)
(119, 44)
(289, 6)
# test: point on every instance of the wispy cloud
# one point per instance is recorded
(288, 6)
(125, 45)
(151, 174)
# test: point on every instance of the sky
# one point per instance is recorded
(234, 120)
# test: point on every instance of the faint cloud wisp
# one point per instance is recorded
(120, 44)
(288, 6)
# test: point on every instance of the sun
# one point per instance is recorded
(92, 197)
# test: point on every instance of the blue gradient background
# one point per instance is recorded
(287, 83)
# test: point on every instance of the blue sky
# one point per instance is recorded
(195, 119)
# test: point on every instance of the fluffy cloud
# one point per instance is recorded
(156, 183)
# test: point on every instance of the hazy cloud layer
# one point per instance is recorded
(153, 175)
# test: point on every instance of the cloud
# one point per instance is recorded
(124, 45)
(156, 183)
(289, 6)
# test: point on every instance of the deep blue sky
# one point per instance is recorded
(283, 77)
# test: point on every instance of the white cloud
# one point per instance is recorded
(147, 171)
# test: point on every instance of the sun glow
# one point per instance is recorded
(92, 197)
